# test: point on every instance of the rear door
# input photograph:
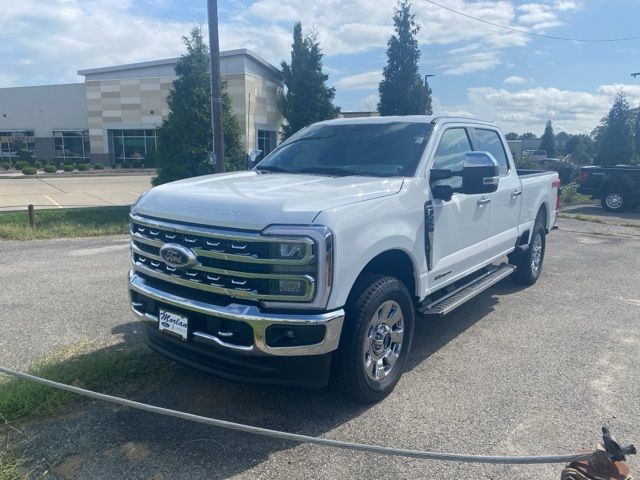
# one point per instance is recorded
(506, 202)
(460, 225)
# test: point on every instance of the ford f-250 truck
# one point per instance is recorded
(318, 262)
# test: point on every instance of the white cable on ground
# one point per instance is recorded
(452, 457)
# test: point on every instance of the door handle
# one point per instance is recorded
(516, 193)
(484, 201)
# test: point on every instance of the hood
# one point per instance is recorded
(253, 201)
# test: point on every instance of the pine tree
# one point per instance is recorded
(402, 90)
(548, 140)
(615, 135)
(308, 99)
(184, 139)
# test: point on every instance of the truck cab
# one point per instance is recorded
(316, 264)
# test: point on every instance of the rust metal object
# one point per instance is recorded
(602, 467)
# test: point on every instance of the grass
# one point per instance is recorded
(570, 196)
(72, 222)
(582, 218)
(106, 368)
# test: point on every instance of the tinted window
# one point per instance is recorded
(450, 154)
(489, 141)
(372, 149)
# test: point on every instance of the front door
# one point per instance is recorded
(507, 200)
(460, 225)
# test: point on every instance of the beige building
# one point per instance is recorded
(121, 108)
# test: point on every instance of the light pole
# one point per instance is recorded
(216, 94)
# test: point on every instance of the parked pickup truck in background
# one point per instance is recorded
(618, 188)
(317, 263)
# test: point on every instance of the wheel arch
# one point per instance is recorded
(395, 263)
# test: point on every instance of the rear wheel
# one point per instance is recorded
(529, 263)
(615, 200)
(375, 340)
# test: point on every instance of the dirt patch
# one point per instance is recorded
(67, 469)
(135, 452)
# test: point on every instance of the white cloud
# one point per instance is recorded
(66, 35)
(515, 80)
(529, 109)
(360, 81)
(370, 103)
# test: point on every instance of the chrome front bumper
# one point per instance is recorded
(251, 315)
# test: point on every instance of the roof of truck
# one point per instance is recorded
(408, 118)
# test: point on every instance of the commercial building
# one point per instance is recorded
(113, 116)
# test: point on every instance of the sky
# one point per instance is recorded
(517, 80)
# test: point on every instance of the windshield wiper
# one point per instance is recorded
(273, 168)
(331, 171)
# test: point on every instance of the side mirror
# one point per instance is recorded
(480, 173)
(252, 158)
(442, 192)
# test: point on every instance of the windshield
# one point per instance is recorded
(368, 149)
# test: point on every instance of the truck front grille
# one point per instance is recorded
(244, 265)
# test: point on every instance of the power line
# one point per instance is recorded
(525, 32)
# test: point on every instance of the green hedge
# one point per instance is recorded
(68, 168)
(50, 169)
(83, 167)
(98, 166)
(20, 164)
(29, 170)
(6, 165)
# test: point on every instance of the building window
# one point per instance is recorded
(132, 145)
(266, 142)
(71, 145)
(11, 143)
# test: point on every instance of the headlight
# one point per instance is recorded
(305, 251)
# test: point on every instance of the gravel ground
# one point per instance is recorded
(514, 371)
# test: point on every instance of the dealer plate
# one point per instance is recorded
(173, 323)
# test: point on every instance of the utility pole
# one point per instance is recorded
(216, 94)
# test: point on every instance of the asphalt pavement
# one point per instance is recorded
(515, 371)
(70, 191)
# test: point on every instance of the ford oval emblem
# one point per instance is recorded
(177, 256)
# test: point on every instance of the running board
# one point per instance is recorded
(460, 295)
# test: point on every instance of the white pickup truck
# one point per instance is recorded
(316, 264)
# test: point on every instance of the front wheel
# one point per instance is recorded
(376, 338)
(615, 200)
(529, 263)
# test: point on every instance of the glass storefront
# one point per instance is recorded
(132, 144)
(11, 143)
(266, 142)
(71, 145)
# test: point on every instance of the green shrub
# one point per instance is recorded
(98, 166)
(138, 163)
(6, 165)
(50, 169)
(67, 161)
(83, 167)
(126, 164)
(68, 168)
(38, 164)
(20, 164)
(570, 196)
(29, 170)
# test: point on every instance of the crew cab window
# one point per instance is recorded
(489, 141)
(450, 154)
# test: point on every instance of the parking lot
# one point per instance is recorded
(70, 191)
(515, 371)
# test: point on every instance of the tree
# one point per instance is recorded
(511, 136)
(308, 98)
(581, 149)
(636, 134)
(184, 139)
(402, 90)
(548, 141)
(615, 135)
(527, 136)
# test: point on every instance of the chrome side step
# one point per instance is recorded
(460, 295)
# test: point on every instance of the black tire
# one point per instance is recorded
(373, 295)
(529, 269)
(615, 200)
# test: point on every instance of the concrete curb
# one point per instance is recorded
(83, 174)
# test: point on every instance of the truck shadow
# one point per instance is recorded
(103, 441)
